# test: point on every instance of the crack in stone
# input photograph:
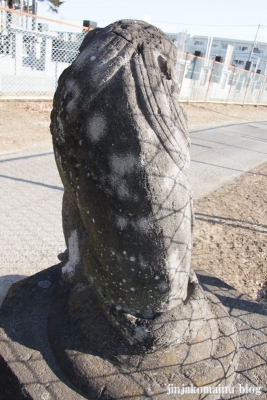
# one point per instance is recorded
(116, 33)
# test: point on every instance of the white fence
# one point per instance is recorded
(203, 80)
(33, 57)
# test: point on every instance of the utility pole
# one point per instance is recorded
(34, 11)
(250, 56)
(34, 7)
(208, 50)
(21, 9)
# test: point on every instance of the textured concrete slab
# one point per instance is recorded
(220, 154)
(29, 369)
(31, 230)
(27, 362)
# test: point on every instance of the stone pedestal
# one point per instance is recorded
(41, 336)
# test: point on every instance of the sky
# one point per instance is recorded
(236, 19)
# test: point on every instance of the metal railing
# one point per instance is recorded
(35, 50)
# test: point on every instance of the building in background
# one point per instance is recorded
(215, 48)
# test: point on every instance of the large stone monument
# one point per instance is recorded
(122, 149)
(123, 315)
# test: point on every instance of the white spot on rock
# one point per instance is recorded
(121, 223)
(96, 128)
(121, 165)
(120, 186)
(163, 287)
(140, 333)
(132, 258)
(143, 224)
(45, 396)
(143, 263)
(123, 191)
(44, 284)
(74, 254)
(80, 287)
(93, 58)
(60, 130)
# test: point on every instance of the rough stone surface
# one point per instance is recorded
(29, 369)
(122, 149)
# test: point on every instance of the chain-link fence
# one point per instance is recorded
(34, 51)
(33, 54)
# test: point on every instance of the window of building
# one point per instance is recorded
(224, 46)
(257, 50)
(242, 48)
(239, 62)
(199, 43)
(214, 45)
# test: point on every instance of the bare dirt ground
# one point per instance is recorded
(230, 238)
(25, 125)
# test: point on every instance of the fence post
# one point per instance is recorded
(185, 62)
(18, 53)
(249, 79)
(56, 74)
(211, 72)
(231, 86)
(261, 90)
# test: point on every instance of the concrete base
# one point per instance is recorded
(30, 370)
(97, 358)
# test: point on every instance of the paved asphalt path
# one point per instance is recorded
(31, 193)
